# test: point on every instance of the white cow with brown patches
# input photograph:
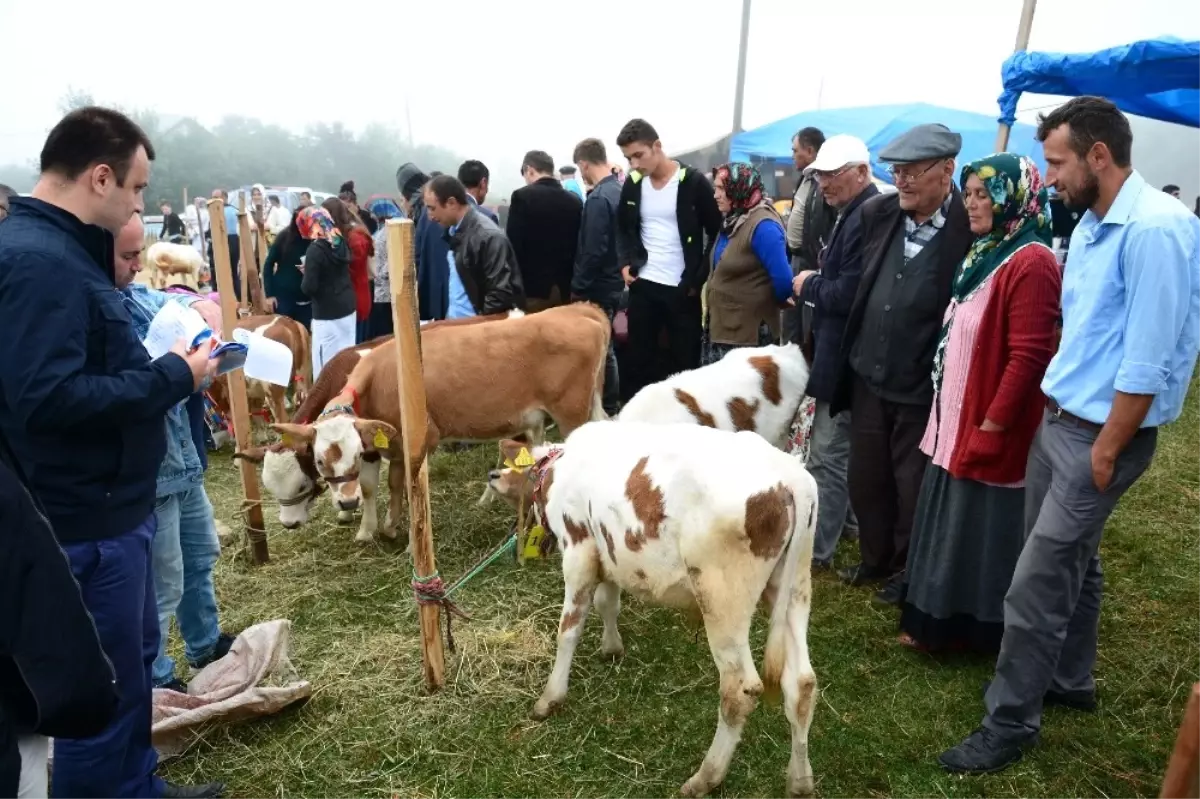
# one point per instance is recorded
(756, 389)
(259, 393)
(695, 518)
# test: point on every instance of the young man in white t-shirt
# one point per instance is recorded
(666, 222)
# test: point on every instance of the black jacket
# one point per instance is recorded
(543, 226)
(486, 265)
(54, 677)
(699, 223)
(831, 294)
(327, 280)
(81, 403)
(597, 273)
(881, 216)
(172, 227)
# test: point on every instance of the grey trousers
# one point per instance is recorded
(1052, 609)
(828, 461)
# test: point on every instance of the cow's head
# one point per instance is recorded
(525, 468)
(290, 477)
(338, 443)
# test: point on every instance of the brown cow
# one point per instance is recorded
(294, 336)
(481, 382)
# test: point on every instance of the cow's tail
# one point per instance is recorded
(786, 644)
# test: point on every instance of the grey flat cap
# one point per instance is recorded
(922, 143)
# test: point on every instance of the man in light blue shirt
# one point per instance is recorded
(1131, 306)
(460, 303)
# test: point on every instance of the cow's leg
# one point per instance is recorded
(581, 570)
(727, 618)
(368, 483)
(278, 409)
(799, 687)
(397, 495)
(608, 602)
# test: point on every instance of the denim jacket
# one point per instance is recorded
(181, 468)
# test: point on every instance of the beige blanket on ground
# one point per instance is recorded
(255, 679)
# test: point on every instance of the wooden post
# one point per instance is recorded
(1023, 31)
(251, 296)
(1183, 771)
(411, 384)
(238, 405)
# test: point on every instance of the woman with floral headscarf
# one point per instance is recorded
(326, 281)
(997, 340)
(750, 279)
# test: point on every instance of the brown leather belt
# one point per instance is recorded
(1057, 412)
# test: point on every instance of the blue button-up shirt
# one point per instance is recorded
(1131, 307)
(460, 303)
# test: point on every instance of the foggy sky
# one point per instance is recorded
(491, 80)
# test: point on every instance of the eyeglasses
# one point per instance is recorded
(902, 177)
(823, 177)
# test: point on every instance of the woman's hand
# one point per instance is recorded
(627, 276)
(989, 426)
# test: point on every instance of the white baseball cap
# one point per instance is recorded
(839, 150)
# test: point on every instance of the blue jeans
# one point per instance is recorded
(117, 586)
(185, 550)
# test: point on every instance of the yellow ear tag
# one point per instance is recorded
(287, 440)
(524, 459)
(533, 542)
(380, 441)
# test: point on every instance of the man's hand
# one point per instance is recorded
(798, 281)
(1102, 467)
(197, 360)
(627, 275)
(211, 313)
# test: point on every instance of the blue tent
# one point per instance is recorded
(876, 126)
(1156, 78)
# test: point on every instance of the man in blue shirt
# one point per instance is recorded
(1131, 305)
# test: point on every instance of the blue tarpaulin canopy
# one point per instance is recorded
(876, 126)
(1155, 78)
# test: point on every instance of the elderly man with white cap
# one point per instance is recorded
(912, 243)
(842, 170)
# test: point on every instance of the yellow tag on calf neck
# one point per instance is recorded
(380, 441)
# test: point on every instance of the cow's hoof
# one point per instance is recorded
(695, 787)
(363, 537)
(544, 709)
(616, 652)
(388, 532)
(802, 787)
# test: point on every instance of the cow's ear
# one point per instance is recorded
(253, 454)
(375, 435)
(295, 435)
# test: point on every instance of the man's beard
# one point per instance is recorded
(1086, 196)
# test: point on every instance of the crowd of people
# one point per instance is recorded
(978, 409)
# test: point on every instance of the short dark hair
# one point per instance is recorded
(810, 137)
(272, 198)
(567, 169)
(472, 173)
(1170, 188)
(637, 130)
(94, 135)
(1091, 119)
(346, 192)
(539, 161)
(448, 187)
(307, 194)
(590, 151)
(436, 174)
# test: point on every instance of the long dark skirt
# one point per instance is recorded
(711, 352)
(966, 539)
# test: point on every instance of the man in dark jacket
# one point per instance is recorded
(808, 224)
(483, 260)
(173, 229)
(429, 242)
(597, 273)
(543, 226)
(82, 409)
(912, 243)
(843, 174)
(475, 177)
(666, 223)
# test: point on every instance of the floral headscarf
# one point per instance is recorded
(1020, 216)
(314, 223)
(744, 188)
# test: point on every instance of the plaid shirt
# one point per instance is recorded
(917, 236)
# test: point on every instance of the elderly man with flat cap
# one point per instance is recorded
(912, 242)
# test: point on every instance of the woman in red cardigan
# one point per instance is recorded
(362, 247)
(997, 340)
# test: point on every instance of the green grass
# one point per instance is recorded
(640, 727)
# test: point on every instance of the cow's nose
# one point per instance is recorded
(494, 474)
(348, 504)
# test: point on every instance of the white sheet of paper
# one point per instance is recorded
(171, 323)
(265, 359)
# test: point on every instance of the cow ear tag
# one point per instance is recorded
(380, 441)
(522, 462)
(287, 440)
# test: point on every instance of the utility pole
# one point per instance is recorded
(741, 69)
(1023, 31)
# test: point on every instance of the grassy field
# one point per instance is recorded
(640, 727)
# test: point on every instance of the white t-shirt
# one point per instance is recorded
(660, 233)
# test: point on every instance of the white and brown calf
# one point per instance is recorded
(260, 394)
(695, 518)
(756, 389)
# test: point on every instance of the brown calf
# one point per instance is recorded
(291, 334)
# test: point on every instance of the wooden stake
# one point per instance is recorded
(1183, 770)
(1023, 31)
(238, 405)
(411, 384)
(251, 296)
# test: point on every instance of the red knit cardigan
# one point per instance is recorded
(1013, 347)
(362, 247)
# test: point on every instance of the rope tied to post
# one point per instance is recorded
(432, 590)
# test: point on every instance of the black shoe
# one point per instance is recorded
(211, 789)
(984, 752)
(822, 565)
(859, 574)
(849, 533)
(174, 684)
(1083, 701)
(892, 593)
(220, 650)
